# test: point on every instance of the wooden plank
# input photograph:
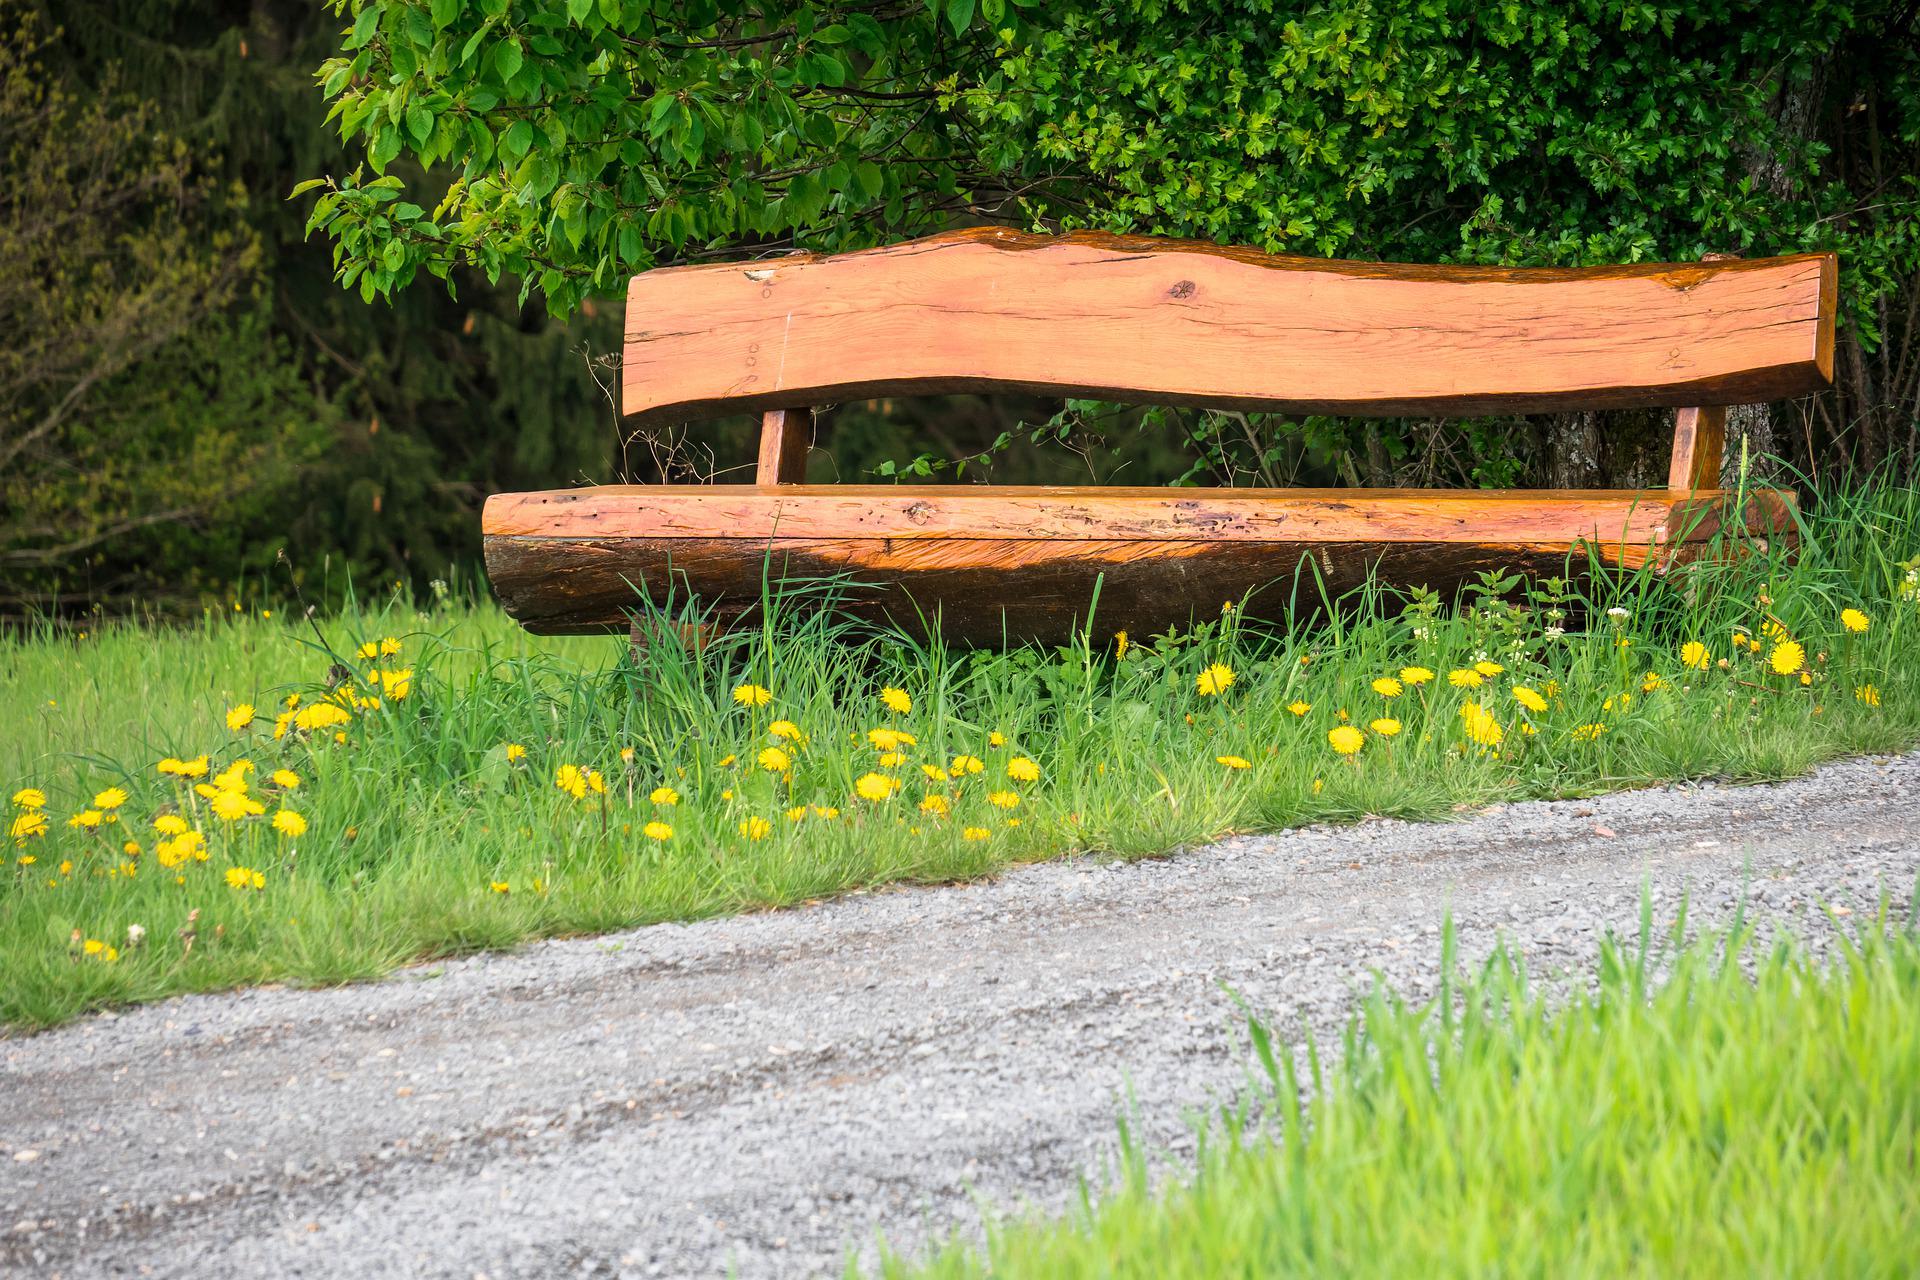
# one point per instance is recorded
(971, 512)
(989, 588)
(1198, 324)
(785, 437)
(1699, 439)
(983, 591)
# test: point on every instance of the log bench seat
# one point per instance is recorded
(1158, 321)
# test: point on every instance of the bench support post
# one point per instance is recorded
(1699, 438)
(785, 437)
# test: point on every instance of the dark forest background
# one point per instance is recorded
(186, 392)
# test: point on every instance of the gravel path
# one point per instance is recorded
(766, 1092)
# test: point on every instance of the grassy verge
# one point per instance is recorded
(1756, 1113)
(468, 787)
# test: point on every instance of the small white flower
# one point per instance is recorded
(1554, 633)
(1617, 614)
(136, 934)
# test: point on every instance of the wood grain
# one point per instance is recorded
(1699, 440)
(560, 573)
(914, 512)
(1174, 322)
(786, 435)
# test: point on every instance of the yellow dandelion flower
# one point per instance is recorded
(396, 684)
(240, 716)
(976, 834)
(30, 798)
(755, 828)
(885, 739)
(289, 824)
(1388, 687)
(1004, 800)
(965, 764)
(1319, 785)
(1868, 694)
(796, 813)
(1589, 732)
(664, 796)
(1787, 657)
(92, 946)
(875, 786)
(1021, 769)
(499, 886)
(1234, 762)
(1120, 644)
(389, 647)
(1415, 676)
(996, 739)
(1215, 680)
(1651, 681)
(1488, 669)
(1385, 726)
(170, 824)
(1346, 739)
(786, 729)
(1299, 706)
(1695, 655)
(570, 779)
(896, 699)
(245, 878)
(825, 812)
(934, 773)
(935, 805)
(86, 818)
(1529, 699)
(321, 715)
(774, 760)
(1480, 725)
(515, 751)
(1464, 678)
(231, 806)
(596, 783)
(285, 779)
(891, 759)
(1854, 620)
(111, 798)
(752, 695)
(657, 830)
(27, 825)
(369, 652)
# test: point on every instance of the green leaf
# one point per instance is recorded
(419, 123)
(579, 9)
(516, 140)
(959, 15)
(363, 27)
(301, 188)
(444, 12)
(507, 59)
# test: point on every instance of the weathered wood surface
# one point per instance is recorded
(1193, 323)
(1699, 439)
(1026, 570)
(786, 435)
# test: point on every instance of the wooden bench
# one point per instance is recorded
(1155, 321)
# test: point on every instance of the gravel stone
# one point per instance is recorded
(761, 1095)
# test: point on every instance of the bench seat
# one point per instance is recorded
(1020, 563)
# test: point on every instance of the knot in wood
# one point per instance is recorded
(919, 512)
(1181, 289)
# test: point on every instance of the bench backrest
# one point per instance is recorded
(1193, 323)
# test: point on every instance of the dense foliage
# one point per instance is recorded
(594, 138)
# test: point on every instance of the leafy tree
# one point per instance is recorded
(121, 259)
(594, 138)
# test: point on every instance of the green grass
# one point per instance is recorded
(417, 812)
(1756, 1113)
